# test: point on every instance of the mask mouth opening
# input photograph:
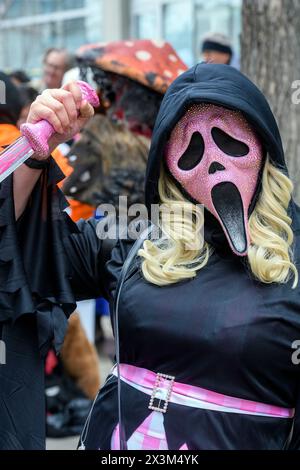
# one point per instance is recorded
(228, 204)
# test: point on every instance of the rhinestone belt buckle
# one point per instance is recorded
(160, 378)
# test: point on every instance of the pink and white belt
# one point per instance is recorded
(163, 389)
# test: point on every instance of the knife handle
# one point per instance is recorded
(38, 134)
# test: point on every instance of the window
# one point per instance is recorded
(18, 8)
(33, 40)
(61, 23)
(144, 25)
(179, 33)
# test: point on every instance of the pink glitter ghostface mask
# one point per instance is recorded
(216, 157)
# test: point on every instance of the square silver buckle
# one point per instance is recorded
(159, 378)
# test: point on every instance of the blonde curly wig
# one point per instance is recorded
(181, 251)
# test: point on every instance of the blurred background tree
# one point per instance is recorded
(270, 56)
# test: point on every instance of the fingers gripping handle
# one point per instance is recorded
(39, 134)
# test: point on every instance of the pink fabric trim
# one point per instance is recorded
(150, 435)
(115, 440)
(184, 447)
(146, 378)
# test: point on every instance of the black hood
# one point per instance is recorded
(221, 85)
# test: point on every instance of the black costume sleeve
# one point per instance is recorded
(86, 255)
(47, 262)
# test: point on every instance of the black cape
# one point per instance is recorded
(222, 330)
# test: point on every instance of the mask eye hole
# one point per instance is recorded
(229, 145)
(193, 154)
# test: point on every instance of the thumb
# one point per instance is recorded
(86, 110)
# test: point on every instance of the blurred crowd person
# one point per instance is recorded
(9, 112)
(216, 48)
(27, 95)
(19, 77)
(56, 62)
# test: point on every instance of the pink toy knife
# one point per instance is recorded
(35, 138)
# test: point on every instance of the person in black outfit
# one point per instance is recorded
(206, 334)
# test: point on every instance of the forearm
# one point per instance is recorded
(24, 180)
(67, 113)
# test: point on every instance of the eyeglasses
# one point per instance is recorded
(55, 67)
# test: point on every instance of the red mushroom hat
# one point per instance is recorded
(154, 64)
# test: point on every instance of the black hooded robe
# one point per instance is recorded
(222, 330)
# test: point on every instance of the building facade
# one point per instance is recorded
(28, 27)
